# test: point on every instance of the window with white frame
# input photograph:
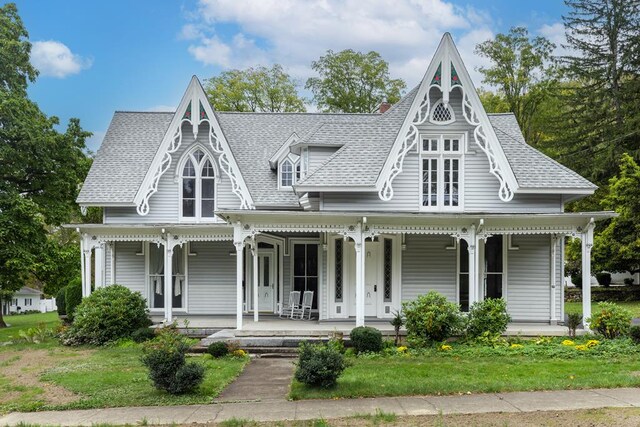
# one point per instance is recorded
(289, 171)
(197, 190)
(441, 161)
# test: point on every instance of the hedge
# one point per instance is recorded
(600, 294)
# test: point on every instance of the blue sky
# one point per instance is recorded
(96, 57)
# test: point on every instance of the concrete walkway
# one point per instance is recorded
(315, 409)
(262, 380)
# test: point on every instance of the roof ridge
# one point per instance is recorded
(292, 113)
(144, 112)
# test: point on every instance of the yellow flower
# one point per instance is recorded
(581, 347)
(239, 353)
(568, 342)
(445, 347)
(402, 349)
(516, 346)
(592, 343)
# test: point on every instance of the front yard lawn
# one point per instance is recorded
(576, 307)
(51, 376)
(479, 369)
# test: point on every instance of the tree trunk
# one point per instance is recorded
(2, 322)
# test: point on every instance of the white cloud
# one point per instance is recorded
(55, 59)
(294, 33)
(555, 33)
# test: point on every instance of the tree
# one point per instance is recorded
(617, 247)
(522, 69)
(353, 82)
(40, 168)
(254, 89)
(604, 120)
(493, 102)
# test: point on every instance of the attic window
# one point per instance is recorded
(442, 114)
(289, 171)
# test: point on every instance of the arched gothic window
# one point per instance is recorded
(197, 190)
(286, 174)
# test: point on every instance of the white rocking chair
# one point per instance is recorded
(294, 304)
(307, 301)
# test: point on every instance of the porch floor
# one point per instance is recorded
(270, 325)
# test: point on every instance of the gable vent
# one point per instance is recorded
(442, 114)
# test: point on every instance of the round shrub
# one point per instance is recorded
(576, 279)
(143, 334)
(431, 317)
(610, 320)
(604, 279)
(60, 303)
(489, 316)
(218, 349)
(165, 358)
(634, 333)
(366, 339)
(107, 315)
(319, 365)
(73, 297)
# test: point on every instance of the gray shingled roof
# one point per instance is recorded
(133, 139)
(124, 157)
(532, 168)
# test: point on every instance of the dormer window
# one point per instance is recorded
(442, 114)
(441, 161)
(197, 189)
(289, 171)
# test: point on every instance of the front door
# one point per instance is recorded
(371, 279)
(266, 280)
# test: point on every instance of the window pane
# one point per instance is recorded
(338, 277)
(188, 170)
(208, 208)
(434, 145)
(454, 182)
(298, 171)
(299, 260)
(208, 188)
(464, 256)
(188, 188)
(464, 291)
(434, 182)
(447, 145)
(447, 182)
(299, 284)
(188, 207)
(265, 279)
(312, 285)
(493, 254)
(207, 169)
(312, 260)
(198, 154)
(494, 286)
(455, 144)
(388, 269)
(286, 174)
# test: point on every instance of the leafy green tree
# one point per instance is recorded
(493, 102)
(40, 168)
(523, 71)
(353, 82)
(604, 119)
(617, 247)
(254, 89)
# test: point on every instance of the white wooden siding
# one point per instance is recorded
(107, 265)
(317, 156)
(427, 266)
(130, 268)
(211, 278)
(529, 279)
(164, 205)
(480, 187)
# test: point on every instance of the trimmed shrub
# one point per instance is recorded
(319, 365)
(431, 317)
(604, 279)
(576, 279)
(218, 349)
(165, 358)
(107, 315)
(73, 297)
(634, 333)
(366, 339)
(489, 316)
(610, 320)
(610, 294)
(60, 303)
(628, 281)
(143, 334)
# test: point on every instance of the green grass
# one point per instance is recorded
(422, 375)
(18, 322)
(576, 307)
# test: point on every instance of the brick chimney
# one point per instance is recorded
(384, 106)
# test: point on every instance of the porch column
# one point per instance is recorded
(254, 273)
(554, 272)
(587, 243)
(360, 288)
(86, 290)
(168, 282)
(99, 267)
(83, 274)
(239, 275)
(473, 274)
